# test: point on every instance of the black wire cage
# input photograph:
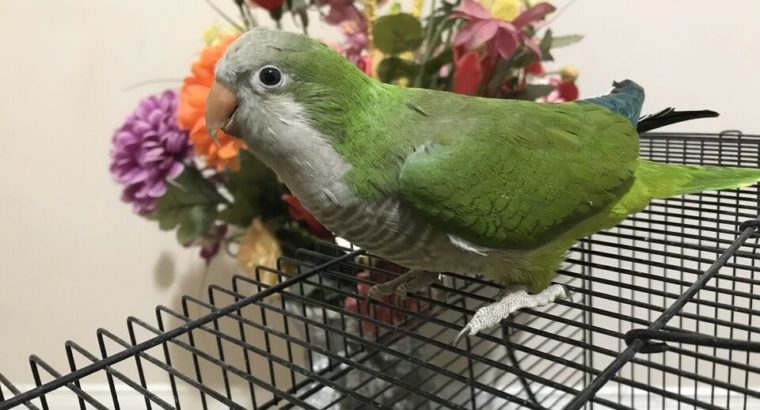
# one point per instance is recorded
(665, 314)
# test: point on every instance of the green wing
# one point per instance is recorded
(515, 174)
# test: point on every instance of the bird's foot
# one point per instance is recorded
(513, 299)
(409, 282)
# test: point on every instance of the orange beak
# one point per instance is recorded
(221, 104)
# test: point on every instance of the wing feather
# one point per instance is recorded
(517, 181)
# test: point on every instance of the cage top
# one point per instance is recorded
(666, 313)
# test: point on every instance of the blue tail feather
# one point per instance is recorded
(626, 99)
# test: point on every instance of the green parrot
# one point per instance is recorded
(440, 182)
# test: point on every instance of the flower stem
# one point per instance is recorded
(428, 45)
(447, 44)
(227, 18)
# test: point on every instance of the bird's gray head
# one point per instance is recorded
(270, 82)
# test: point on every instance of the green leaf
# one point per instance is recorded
(523, 57)
(393, 68)
(255, 191)
(241, 212)
(512, 82)
(444, 57)
(196, 221)
(564, 41)
(190, 205)
(501, 71)
(397, 33)
(545, 45)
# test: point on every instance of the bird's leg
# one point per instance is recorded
(511, 300)
(409, 282)
(421, 280)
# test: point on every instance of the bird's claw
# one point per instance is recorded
(567, 294)
(376, 292)
(401, 293)
(462, 333)
(513, 300)
(409, 282)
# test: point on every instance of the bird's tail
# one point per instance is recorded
(670, 116)
(627, 99)
(667, 180)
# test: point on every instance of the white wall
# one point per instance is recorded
(689, 54)
(74, 258)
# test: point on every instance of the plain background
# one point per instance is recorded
(74, 258)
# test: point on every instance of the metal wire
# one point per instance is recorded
(665, 315)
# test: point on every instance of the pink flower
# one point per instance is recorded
(340, 11)
(365, 64)
(356, 42)
(502, 37)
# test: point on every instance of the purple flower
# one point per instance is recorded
(148, 150)
(210, 242)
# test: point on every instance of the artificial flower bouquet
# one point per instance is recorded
(216, 195)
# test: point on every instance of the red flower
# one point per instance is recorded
(535, 68)
(564, 88)
(568, 91)
(299, 213)
(468, 74)
(365, 64)
(268, 4)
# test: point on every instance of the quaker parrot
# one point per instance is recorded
(440, 182)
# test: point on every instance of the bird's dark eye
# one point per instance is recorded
(270, 76)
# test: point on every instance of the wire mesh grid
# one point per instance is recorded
(653, 323)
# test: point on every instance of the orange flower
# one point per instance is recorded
(192, 109)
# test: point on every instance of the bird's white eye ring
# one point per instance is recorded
(270, 76)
